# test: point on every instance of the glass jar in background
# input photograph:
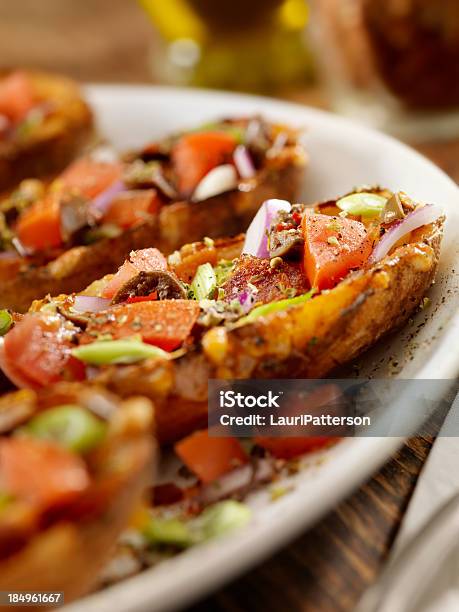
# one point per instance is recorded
(255, 45)
(392, 63)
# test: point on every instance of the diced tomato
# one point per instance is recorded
(289, 448)
(89, 177)
(14, 374)
(133, 207)
(165, 323)
(186, 268)
(194, 155)
(296, 216)
(210, 457)
(42, 474)
(143, 298)
(36, 349)
(125, 273)
(39, 227)
(75, 368)
(16, 96)
(144, 260)
(148, 260)
(332, 247)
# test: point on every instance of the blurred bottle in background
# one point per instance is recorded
(250, 45)
(392, 63)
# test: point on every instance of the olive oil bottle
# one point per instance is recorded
(252, 45)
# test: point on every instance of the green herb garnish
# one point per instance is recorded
(362, 204)
(223, 271)
(70, 426)
(204, 282)
(117, 351)
(215, 521)
(6, 321)
(267, 309)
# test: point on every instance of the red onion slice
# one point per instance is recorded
(243, 162)
(419, 217)
(237, 480)
(101, 203)
(218, 180)
(246, 300)
(256, 238)
(89, 303)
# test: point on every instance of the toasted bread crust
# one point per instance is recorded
(56, 142)
(68, 555)
(176, 224)
(307, 341)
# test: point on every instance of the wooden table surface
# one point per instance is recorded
(329, 567)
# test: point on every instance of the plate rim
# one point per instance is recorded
(237, 555)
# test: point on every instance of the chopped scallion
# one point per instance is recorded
(70, 426)
(223, 517)
(6, 321)
(362, 204)
(204, 282)
(267, 309)
(117, 351)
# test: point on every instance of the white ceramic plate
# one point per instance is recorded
(343, 155)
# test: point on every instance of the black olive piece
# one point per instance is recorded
(166, 284)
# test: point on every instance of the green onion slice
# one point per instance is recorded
(267, 309)
(215, 521)
(362, 204)
(223, 271)
(106, 352)
(70, 426)
(222, 518)
(6, 321)
(204, 282)
(170, 531)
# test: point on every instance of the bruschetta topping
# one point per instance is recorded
(60, 476)
(131, 208)
(145, 260)
(256, 238)
(88, 177)
(108, 352)
(144, 175)
(99, 197)
(38, 346)
(266, 283)
(423, 215)
(17, 96)
(65, 460)
(196, 154)
(332, 247)
(151, 285)
(166, 323)
(171, 304)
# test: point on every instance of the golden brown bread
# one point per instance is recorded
(306, 341)
(68, 555)
(56, 141)
(179, 223)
